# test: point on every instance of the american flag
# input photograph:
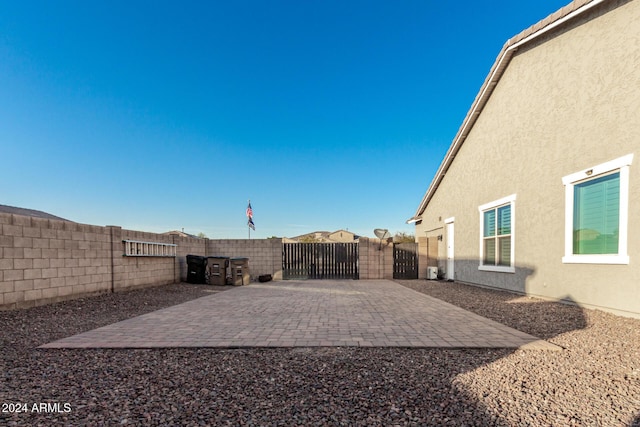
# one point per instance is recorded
(250, 217)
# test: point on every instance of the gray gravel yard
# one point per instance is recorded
(594, 381)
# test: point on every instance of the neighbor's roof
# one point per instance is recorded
(567, 13)
(179, 233)
(324, 234)
(28, 212)
(342, 230)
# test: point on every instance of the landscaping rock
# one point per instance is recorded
(595, 380)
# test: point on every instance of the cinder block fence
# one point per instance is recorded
(45, 260)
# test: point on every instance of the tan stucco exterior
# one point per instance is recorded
(342, 236)
(567, 101)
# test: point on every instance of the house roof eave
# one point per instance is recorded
(569, 12)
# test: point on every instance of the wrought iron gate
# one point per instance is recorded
(320, 261)
(405, 260)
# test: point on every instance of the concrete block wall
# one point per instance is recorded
(375, 259)
(44, 260)
(265, 255)
(134, 272)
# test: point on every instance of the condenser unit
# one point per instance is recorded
(432, 273)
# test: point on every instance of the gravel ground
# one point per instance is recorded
(594, 381)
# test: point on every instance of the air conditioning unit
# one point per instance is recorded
(432, 273)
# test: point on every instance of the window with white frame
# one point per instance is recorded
(497, 235)
(596, 213)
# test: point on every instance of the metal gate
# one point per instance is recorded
(320, 261)
(405, 260)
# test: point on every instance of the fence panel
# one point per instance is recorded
(320, 261)
(405, 260)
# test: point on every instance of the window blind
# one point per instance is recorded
(497, 222)
(504, 220)
(490, 223)
(596, 215)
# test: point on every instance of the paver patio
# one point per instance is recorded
(367, 313)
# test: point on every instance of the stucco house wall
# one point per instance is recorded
(566, 102)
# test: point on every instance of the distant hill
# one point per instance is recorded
(29, 212)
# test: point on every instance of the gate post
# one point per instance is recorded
(364, 262)
(376, 259)
(423, 257)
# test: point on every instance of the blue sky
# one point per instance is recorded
(156, 115)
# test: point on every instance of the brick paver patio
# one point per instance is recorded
(367, 313)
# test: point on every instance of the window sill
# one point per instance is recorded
(497, 269)
(595, 259)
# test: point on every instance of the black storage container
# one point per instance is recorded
(196, 269)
